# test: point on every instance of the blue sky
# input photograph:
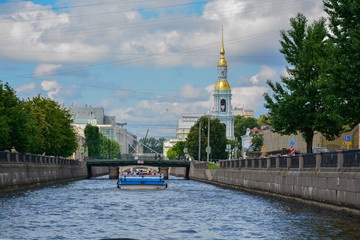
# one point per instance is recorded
(145, 61)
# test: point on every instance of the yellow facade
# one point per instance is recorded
(275, 141)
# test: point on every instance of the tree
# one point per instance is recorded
(257, 140)
(176, 151)
(241, 124)
(298, 104)
(217, 139)
(92, 140)
(14, 124)
(152, 144)
(109, 147)
(263, 120)
(342, 75)
(51, 126)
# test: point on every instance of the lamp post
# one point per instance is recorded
(208, 142)
(199, 158)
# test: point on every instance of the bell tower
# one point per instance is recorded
(222, 95)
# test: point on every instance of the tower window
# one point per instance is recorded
(223, 105)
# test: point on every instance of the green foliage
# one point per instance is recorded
(342, 74)
(92, 140)
(98, 144)
(263, 120)
(297, 103)
(36, 125)
(50, 126)
(109, 147)
(14, 123)
(257, 140)
(217, 139)
(176, 151)
(241, 124)
(152, 144)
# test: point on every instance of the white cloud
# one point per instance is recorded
(26, 88)
(190, 93)
(266, 73)
(45, 69)
(117, 32)
(248, 97)
(51, 87)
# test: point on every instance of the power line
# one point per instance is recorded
(105, 13)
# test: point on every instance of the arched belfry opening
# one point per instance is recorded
(223, 105)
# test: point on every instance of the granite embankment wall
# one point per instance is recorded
(328, 182)
(19, 171)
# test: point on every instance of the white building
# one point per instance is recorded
(107, 126)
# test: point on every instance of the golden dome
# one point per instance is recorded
(222, 62)
(222, 86)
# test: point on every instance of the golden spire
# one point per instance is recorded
(222, 61)
(222, 50)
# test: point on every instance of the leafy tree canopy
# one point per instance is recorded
(14, 124)
(342, 74)
(176, 151)
(257, 140)
(297, 104)
(92, 140)
(217, 139)
(241, 124)
(152, 144)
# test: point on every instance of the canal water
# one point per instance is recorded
(96, 209)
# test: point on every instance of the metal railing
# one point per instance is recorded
(332, 161)
(16, 158)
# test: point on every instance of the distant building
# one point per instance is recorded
(107, 126)
(237, 111)
(274, 141)
(184, 125)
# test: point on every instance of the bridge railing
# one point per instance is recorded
(20, 158)
(329, 161)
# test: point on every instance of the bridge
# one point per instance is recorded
(115, 163)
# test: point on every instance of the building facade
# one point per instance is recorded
(107, 126)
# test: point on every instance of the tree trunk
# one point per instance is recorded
(309, 135)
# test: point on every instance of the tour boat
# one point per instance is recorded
(141, 182)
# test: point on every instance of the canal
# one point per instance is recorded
(96, 209)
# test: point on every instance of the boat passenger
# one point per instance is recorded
(141, 172)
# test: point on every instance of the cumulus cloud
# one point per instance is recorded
(51, 87)
(248, 97)
(188, 92)
(26, 88)
(117, 32)
(266, 73)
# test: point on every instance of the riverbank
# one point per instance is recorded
(22, 171)
(334, 191)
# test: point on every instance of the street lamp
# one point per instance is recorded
(208, 149)
(208, 142)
